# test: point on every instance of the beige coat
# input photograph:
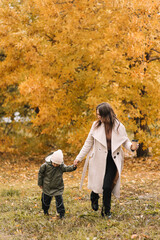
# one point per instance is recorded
(95, 147)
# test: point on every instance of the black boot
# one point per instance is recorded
(106, 213)
(94, 200)
(106, 203)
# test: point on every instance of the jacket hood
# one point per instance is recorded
(48, 158)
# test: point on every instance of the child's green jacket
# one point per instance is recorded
(51, 178)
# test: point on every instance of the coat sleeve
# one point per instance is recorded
(41, 174)
(66, 168)
(127, 144)
(87, 145)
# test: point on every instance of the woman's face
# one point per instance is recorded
(98, 116)
(102, 119)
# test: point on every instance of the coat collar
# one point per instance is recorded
(99, 135)
(117, 139)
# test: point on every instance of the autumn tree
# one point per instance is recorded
(65, 57)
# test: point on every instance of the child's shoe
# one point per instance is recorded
(46, 213)
(61, 215)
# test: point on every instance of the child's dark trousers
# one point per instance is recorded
(46, 201)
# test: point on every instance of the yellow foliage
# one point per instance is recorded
(67, 57)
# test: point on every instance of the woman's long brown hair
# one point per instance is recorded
(106, 112)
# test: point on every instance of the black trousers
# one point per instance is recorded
(46, 201)
(110, 174)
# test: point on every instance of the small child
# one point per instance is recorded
(50, 180)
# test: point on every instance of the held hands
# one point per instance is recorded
(75, 162)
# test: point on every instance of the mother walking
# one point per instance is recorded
(105, 156)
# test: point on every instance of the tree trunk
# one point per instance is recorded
(142, 152)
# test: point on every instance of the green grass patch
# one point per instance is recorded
(10, 192)
(22, 218)
(134, 216)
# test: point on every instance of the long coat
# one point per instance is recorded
(95, 147)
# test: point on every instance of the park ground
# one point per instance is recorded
(136, 215)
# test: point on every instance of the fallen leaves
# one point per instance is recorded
(137, 211)
(139, 237)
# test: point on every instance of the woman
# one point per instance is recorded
(105, 156)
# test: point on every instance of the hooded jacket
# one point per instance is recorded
(51, 178)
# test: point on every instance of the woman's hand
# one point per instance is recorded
(134, 147)
(75, 162)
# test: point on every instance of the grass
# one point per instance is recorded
(135, 216)
(11, 192)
